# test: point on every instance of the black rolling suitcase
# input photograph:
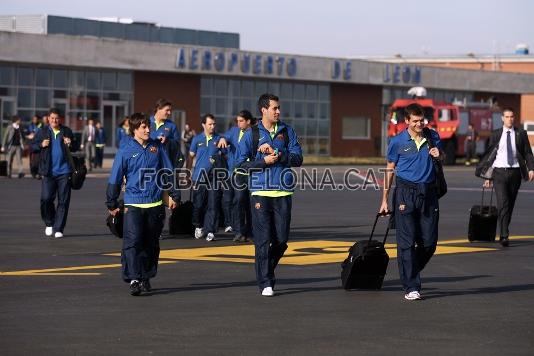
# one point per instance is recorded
(483, 221)
(366, 265)
(181, 219)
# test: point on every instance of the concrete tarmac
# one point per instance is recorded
(65, 296)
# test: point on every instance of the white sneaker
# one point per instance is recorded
(49, 231)
(198, 233)
(210, 237)
(58, 235)
(228, 229)
(415, 295)
(267, 292)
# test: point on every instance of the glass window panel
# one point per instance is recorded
(236, 107)
(260, 88)
(42, 98)
(286, 108)
(206, 86)
(323, 146)
(24, 98)
(10, 91)
(356, 127)
(311, 110)
(299, 109)
(286, 92)
(311, 128)
(323, 129)
(220, 87)
(311, 92)
(288, 122)
(111, 96)
(274, 88)
(42, 77)
(247, 89)
(300, 127)
(324, 92)
(26, 115)
(124, 81)
(7, 75)
(298, 93)
(60, 78)
(95, 115)
(77, 99)
(250, 105)
(125, 96)
(76, 79)
(60, 94)
(93, 101)
(205, 105)
(93, 80)
(324, 111)
(311, 143)
(235, 85)
(109, 80)
(220, 106)
(25, 76)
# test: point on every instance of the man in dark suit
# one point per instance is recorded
(507, 159)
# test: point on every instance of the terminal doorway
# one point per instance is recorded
(113, 113)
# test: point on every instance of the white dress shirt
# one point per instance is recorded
(501, 161)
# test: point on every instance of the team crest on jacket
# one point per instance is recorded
(153, 149)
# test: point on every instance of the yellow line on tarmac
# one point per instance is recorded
(298, 253)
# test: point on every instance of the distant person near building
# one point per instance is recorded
(13, 145)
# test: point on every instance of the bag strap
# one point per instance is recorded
(491, 197)
(256, 138)
(379, 215)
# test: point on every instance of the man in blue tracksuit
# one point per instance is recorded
(415, 201)
(162, 128)
(148, 171)
(122, 132)
(236, 200)
(268, 160)
(52, 142)
(206, 196)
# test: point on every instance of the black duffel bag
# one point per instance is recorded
(441, 183)
(79, 170)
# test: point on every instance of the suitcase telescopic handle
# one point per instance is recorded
(378, 216)
(482, 200)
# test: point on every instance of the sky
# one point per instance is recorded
(330, 28)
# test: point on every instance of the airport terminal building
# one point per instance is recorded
(106, 70)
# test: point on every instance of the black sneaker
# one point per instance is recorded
(135, 288)
(145, 286)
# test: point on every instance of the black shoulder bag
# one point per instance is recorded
(441, 183)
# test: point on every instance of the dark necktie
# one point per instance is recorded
(509, 150)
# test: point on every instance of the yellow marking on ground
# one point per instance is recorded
(298, 253)
(64, 271)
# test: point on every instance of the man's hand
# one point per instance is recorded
(81, 146)
(271, 159)
(45, 143)
(2, 149)
(384, 207)
(530, 176)
(66, 141)
(434, 152)
(487, 183)
(114, 212)
(172, 204)
(162, 139)
(266, 148)
(222, 143)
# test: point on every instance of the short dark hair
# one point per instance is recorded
(123, 121)
(413, 109)
(161, 103)
(245, 114)
(206, 117)
(54, 111)
(15, 118)
(264, 100)
(508, 108)
(136, 120)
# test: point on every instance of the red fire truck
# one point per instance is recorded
(449, 120)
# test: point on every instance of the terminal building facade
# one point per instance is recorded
(106, 70)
